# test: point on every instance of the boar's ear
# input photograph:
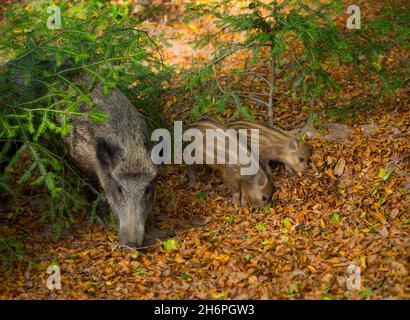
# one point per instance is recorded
(293, 145)
(107, 154)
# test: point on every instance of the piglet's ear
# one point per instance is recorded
(293, 145)
(263, 181)
(107, 154)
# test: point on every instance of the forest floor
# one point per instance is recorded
(353, 210)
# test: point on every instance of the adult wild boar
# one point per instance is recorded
(116, 154)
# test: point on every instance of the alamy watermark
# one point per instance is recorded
(54, 20)
(54, 280)
(216, 147)
(354, 21)
(353, 280)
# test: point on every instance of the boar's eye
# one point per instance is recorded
(301, 159)
(120, 191)
(264, 198)
(148, 190)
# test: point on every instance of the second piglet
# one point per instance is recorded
(277, 145)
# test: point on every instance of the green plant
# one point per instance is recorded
(11, 252)
(298, 42)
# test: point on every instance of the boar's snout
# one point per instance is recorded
(131, 205)
(132, 215)
(131, 236)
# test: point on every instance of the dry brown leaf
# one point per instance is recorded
(340, 167)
